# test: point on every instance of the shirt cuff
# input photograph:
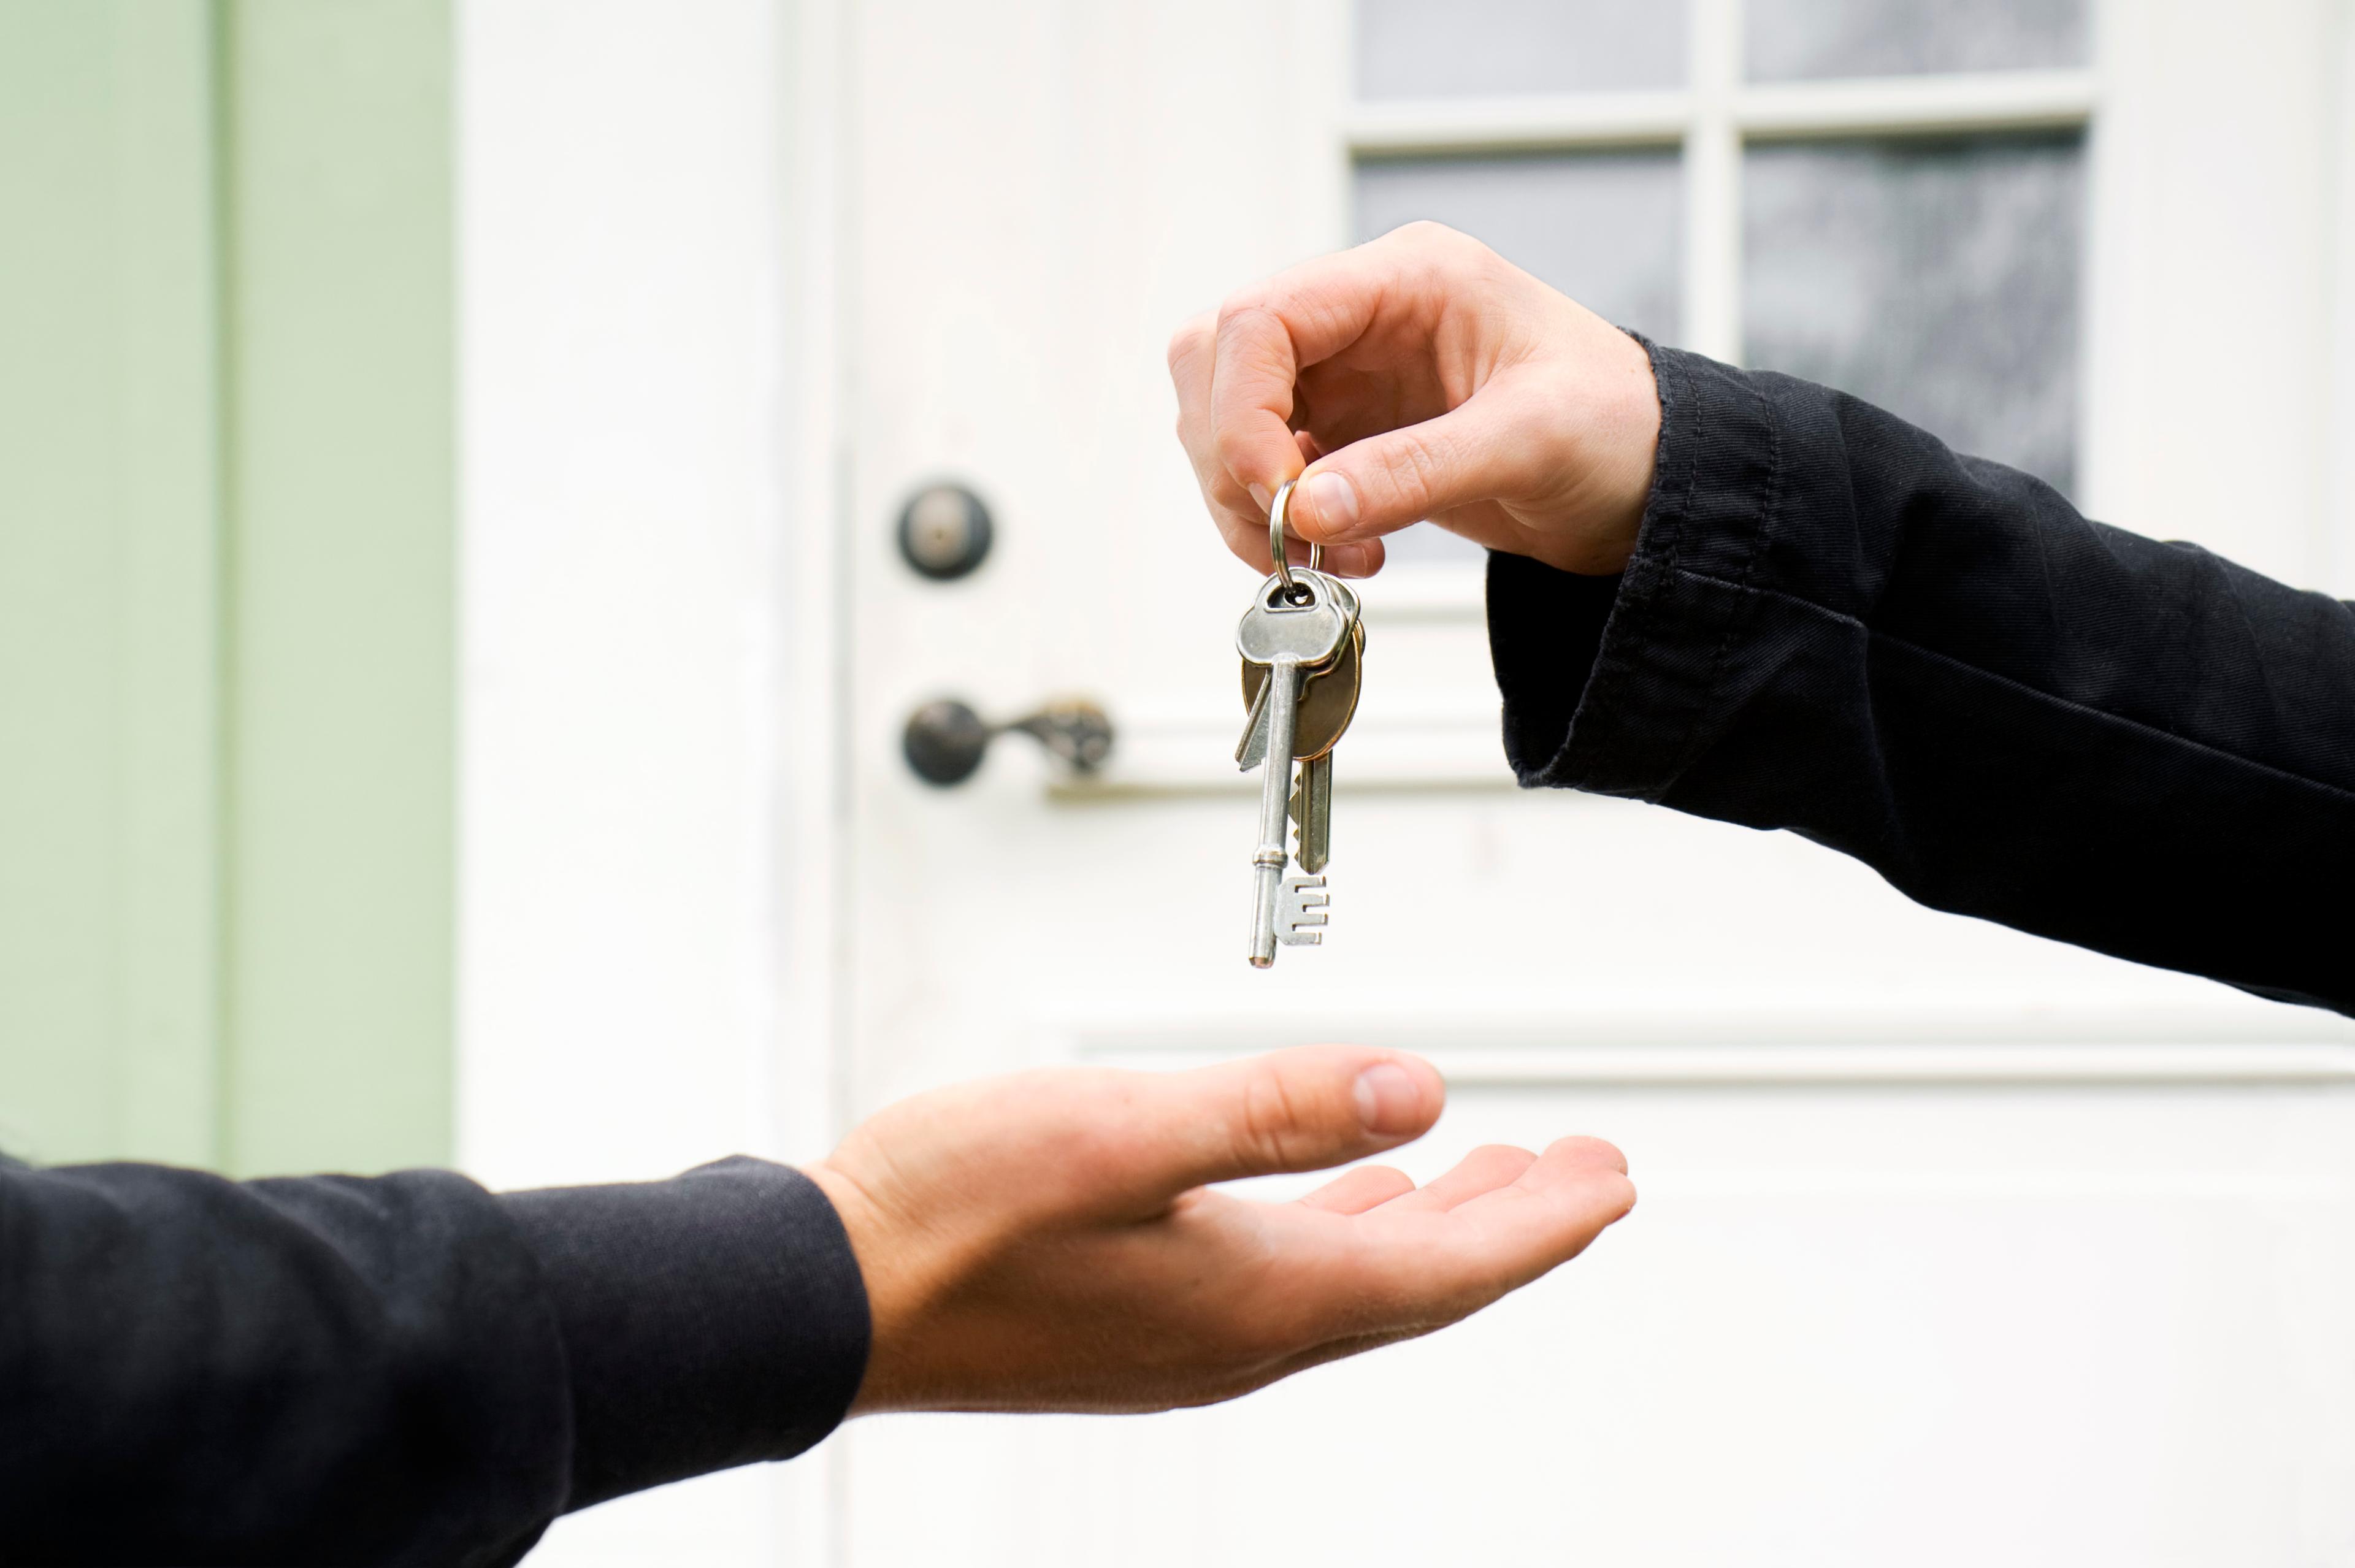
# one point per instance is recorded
(1612, 683)
(710, 1320)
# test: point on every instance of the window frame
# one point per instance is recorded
(1711, 120)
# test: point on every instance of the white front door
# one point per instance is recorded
(1954, 1245)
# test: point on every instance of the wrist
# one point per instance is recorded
(904, 1274)
(1600, 421)
(1626, 432)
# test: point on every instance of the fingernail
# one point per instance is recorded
(1263, 496)
(1388, 1099)
(1330, 502)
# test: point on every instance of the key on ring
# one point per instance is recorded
(1328, 700)
(1296, 627)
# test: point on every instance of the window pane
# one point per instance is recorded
(1939, 279)
(1787, 39)
(1604, 228)
(1434, 48)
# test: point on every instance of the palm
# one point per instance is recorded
(1213, 1295)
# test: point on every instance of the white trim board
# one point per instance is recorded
(2226, 1042)
(1977, 104)
(1914, 1066)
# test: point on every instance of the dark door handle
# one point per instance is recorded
(945, 738)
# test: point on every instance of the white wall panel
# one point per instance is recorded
(636, 520)
(2209, 287)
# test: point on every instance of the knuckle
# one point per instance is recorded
(1250, 327)
(1235, 450)
(1240, 310)
(1427, 234)
(1434, 246)
(1436, 255)
(1267, 1126)
(1412, 471)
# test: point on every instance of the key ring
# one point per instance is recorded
(1294, 592)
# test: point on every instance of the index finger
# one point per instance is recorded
(1267, 334)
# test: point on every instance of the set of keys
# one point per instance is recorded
(1303, 650)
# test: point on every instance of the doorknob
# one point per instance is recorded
(945, 738)
(944, 531)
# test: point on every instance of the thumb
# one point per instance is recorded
(1302, 1109)
(1386, 482)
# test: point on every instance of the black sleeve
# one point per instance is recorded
(397, 1370)
(1834, 625)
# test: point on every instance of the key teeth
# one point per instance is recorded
(1301, 919)
(1303, 850)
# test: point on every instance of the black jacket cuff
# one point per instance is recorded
(1610, 683)
(709, 1320)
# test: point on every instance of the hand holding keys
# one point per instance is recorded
(1303, 648)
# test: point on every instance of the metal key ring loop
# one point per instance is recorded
(1277, 511)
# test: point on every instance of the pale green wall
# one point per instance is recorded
(226, 594)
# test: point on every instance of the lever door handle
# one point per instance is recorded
(945, 738)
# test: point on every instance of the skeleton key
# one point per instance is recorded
(1296, 625)
(1328, 702)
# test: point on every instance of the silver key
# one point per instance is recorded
(1329, 712)
(1251, 750)
(1292, 640)
(1328, 700)
(1312, 812)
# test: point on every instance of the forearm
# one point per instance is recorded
(1833, 624)
(397, 1370)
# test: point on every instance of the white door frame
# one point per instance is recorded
(651, 658)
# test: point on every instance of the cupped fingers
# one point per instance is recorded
(1358, 1189)
(1483, 1170)
(1435, 1267)
(1240, 521)
(1564, 1156)
(1544, 1217)
(1252, 380)
(1240, 517)
(1268, 334)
